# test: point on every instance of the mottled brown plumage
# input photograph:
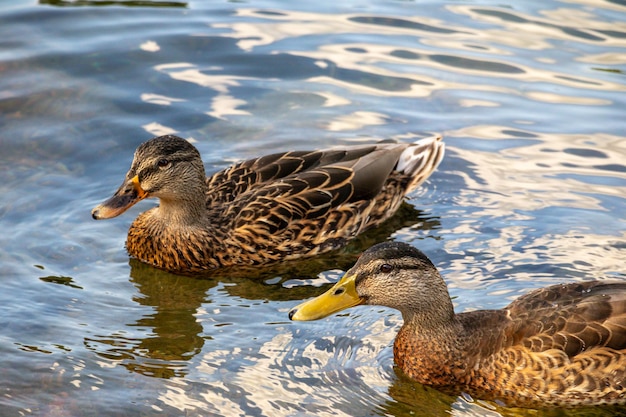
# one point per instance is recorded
(563, 345)
(278, 207)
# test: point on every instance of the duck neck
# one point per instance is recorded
(181, 213)
(187, 207)
(428, 308)
(426, 346)
(440, 319)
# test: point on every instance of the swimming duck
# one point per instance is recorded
(564, 345)
(274, 208)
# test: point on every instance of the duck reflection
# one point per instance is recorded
(412, 398)
(174, 334)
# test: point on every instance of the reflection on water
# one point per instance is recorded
(529, 97)
(159, 343)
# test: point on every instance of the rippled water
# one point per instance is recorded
(530, 98)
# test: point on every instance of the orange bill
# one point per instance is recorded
(124, 198)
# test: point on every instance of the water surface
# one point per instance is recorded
(530, 98)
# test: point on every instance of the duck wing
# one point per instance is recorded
(227, 185)
(314, 210)
(562, 345)
(572, 317)
(416, 160)
(293, 204)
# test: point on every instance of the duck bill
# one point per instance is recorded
(126, 196)
(341, 296)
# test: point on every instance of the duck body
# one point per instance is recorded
(563, 345)
(560, 346)
(273, 208)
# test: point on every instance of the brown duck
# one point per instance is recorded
(563, 345)
(274, 208)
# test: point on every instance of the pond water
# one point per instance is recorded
(530, 97)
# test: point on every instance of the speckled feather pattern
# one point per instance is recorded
(283, 206)
(563, 345)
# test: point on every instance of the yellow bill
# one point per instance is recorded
(341, 296)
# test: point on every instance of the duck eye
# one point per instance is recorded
(162, 163)
(386, 268)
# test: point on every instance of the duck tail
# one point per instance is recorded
(420, 159)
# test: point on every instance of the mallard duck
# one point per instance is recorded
(274, 208)
(564, 345)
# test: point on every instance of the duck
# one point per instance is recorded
(559, 346)
(274, 208)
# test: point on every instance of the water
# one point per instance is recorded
(530, 98)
